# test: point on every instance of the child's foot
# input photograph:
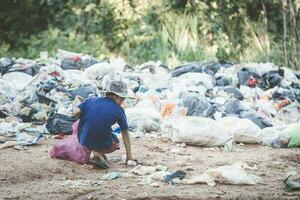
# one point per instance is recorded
(101, 163)
(105, 158)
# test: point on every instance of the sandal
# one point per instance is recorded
(100, 163)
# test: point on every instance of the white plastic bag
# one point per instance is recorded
(18, 79)
(143, 119)
(99, 70)
(233, 174)
(198, 131)
(196, 79)
(269, 134)
(243, 130)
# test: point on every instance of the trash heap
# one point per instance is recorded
(198, 103)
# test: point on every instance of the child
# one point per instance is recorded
(97, 115)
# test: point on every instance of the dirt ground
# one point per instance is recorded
(32, 174)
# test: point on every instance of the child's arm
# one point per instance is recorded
(76, 111)
(126, 140)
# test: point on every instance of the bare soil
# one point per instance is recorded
(32, 174)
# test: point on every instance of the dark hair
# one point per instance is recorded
(110, 94)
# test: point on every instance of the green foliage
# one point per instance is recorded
(172, 31)
(54, 39)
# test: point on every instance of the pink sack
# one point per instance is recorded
(70, 149)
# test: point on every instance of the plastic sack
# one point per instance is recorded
(143, 119)
(18, 79)
(196, 131)
(243, 130)
(233, 174)
(7, 89)
(70, 149)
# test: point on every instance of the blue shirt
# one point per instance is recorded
(97, 115)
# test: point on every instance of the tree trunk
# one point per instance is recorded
(265, 34)
(284, 5)
(295, 34)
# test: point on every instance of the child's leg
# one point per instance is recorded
(100, 154)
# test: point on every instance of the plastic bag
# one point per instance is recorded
(243, 130)
(84, 91)
(196, 131)
(27, 139)
(234, 92)
(18, 79)
(143, 119)
(189, 67)
(245, 74)
(99, 70)
(233, 174)
(198, 106)
(258, 120)
(59, 123)
(291, 185)
(172, 110)
(269, 134)
(197, 79)
(222, 80)
(233, 107)
(294, 132)
(70, 149)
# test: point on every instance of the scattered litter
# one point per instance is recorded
(143, 170)
(202, 104)
(24, 138)
(176, 177)
(111, 176)
(232, 174)
(291, 185)
(131, 163)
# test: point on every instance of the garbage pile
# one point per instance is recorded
(198, 103)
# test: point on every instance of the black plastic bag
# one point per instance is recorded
(233, 107)
(189, 67)
(283, 93)
(245, 74)
(198, 106)
(234, 91)
(69, 63)
(5, 65)
(89, 62)
(222, 81)
(84, 91)
(270, 79)
(258, 120)
(213, 66)
(59, 123)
